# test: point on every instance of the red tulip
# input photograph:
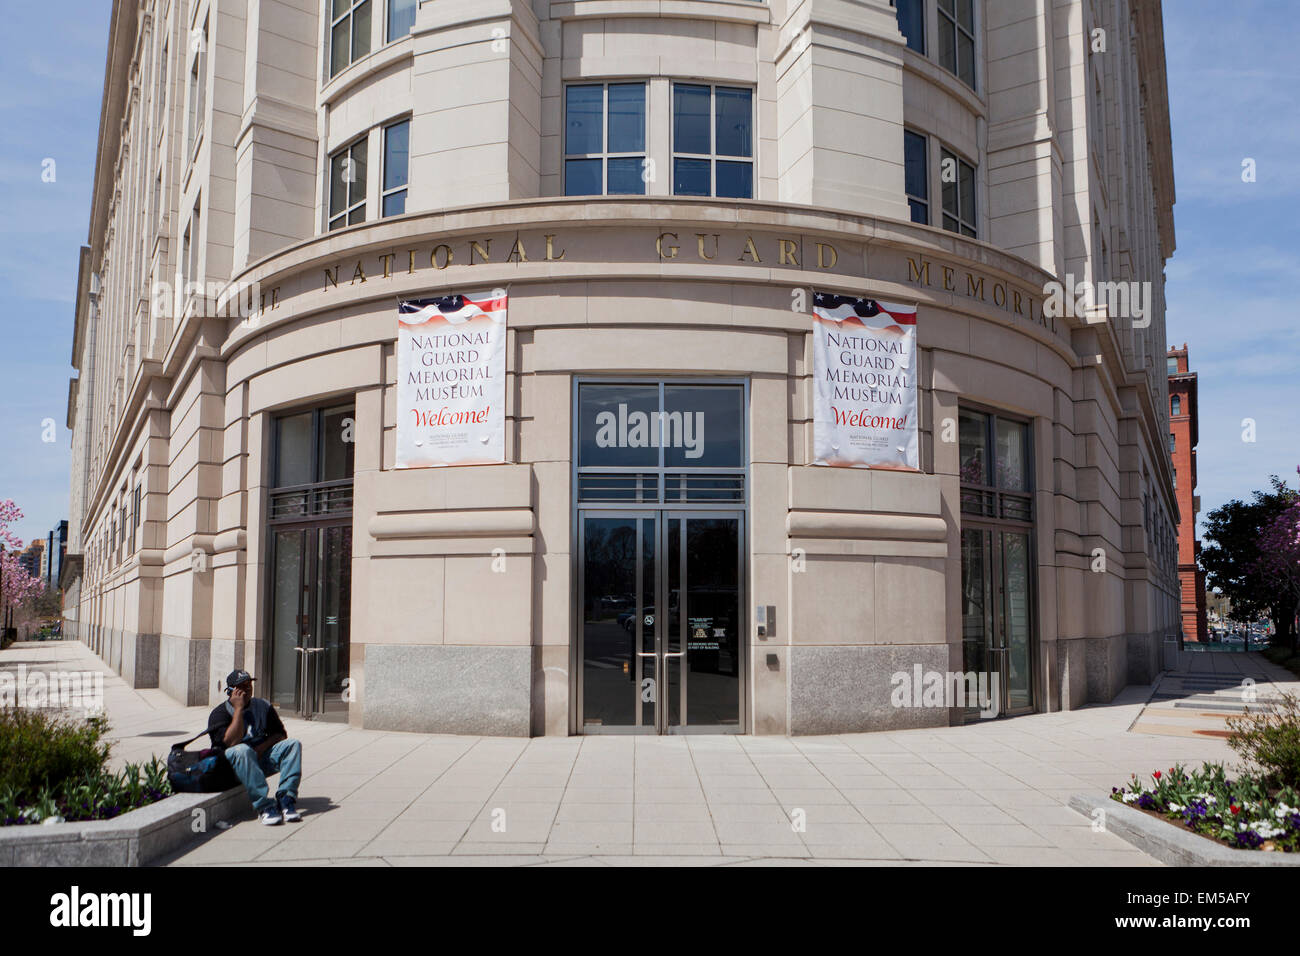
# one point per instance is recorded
(1235, 810)
(1156, 775)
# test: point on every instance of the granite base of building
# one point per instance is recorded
(849, 689)
(448, 689)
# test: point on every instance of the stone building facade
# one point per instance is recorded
(659, 186)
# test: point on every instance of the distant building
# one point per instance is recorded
(1182, 448)
(56, 549)
(30, 558)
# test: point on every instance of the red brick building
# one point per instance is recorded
(1182, 448)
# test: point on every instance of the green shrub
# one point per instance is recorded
(39, 751)
(1270, 740)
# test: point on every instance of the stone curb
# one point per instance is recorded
(133, 839)
(1170, 843)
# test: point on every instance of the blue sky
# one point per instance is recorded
(1233, 84)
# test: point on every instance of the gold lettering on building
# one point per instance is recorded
(517, 253)
(699, 244)
(789, 252)
(999, 294)
(749, 250)
(448, 257)
(974, 288)
(484, 250)
(822, 248)
(358, 273)
(550, 250)
(659, 245)
(918, 270)
(386, 261)
(331, 279)
(947, 279)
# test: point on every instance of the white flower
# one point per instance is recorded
(1176, 808)
(1130, 797)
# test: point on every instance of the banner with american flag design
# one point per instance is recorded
(864, 375)
(451, 380)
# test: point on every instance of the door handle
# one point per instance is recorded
(674, 653)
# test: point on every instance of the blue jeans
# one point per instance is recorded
(284, 758)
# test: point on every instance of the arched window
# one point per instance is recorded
(1176, 406)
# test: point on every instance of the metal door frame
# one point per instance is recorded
(998, 614)
(578, 512)
(309, 681)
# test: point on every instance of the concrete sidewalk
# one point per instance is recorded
(989, 793)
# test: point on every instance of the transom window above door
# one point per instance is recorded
(658, 137)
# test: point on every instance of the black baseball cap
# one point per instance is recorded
(237, 677)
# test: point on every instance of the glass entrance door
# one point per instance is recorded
(311, 602)
(660, 635)
(997, 618)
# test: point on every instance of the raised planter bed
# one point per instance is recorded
(133, 839)
(1170, 843)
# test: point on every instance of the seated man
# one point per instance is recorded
(257, 745)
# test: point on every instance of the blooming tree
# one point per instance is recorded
(1279, 549)
(16, 585)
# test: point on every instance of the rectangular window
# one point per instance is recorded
(916, 174)
(194, 235)
(198, 91)
(604, 139)
(911, 22)
(958, 177)
(135, 514)
(957, 39)
(401, 17)
(1172, 366)
(186, 242)
(1171, 443)
(348, 185)
(397, 149)
(349, 32)
(713, 141)
(160, 93)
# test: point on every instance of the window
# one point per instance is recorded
(186, 242)
(958, 178)
(1176, 406)
(1171, 443)
(198, 91)
(348, 185)
(135, 514)
(401, 17)
(916, 175)
(1172, 366)
(994, 465)
(397, 148)
(604, 139)
(713, 142)
(312, 464)
(1175, 478)
(957, 39)
(192, 237)
(349, 32)
(160, 94)
(911, 22)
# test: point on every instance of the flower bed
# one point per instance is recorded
(54, 769)
(1242, 812)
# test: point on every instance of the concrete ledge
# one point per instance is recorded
(1170, 843)
(133, 839)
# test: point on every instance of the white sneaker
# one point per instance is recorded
(271, 818)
